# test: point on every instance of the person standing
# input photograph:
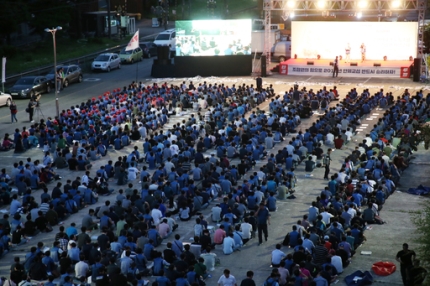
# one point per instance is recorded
(363, 52)
(248, 281)
(347, 53)
(326, 162)
(60, 76)
(406, 258)
(335, 66)
(30, 108)
(13, 111)
(227, 279)
(259, 83)
(263, 220)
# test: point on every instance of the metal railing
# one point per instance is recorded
(84, 62)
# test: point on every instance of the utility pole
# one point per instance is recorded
(108, 16)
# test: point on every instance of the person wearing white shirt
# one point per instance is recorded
(329, 139)
(174, 148)
(326, 216)
(216, 213)
(336, 260)
(228, 244)
(227, 279)
(168, 165)
(81, 268)
(352, 212)
(277, 255)
(132, 172)
(142, 131)
(156, 215)
(246, 229)
(85, 179)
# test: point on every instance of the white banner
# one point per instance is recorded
(3, 70)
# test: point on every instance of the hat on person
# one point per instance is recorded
(326, 237)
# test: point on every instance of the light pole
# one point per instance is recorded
(53, 31)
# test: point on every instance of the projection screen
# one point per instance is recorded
(395, 40)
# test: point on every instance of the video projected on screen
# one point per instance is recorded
(213, 38)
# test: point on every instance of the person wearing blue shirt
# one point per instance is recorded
(148, 249)
(271, 202)
(71, 230)
(158, 267)
(263, 220)
(294, 237)
(117, 143)
(73, 253)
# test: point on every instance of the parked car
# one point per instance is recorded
(106, 62)
(149, 49)
(166, 38)
(29, 86)
(72, 73)
(131, 56)
(5, 99)
(282, 51)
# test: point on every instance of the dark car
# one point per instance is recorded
(28, 86)
(149, 49)
(72, 73)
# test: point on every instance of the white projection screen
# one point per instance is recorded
(396, 40)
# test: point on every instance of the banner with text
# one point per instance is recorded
(343, 71)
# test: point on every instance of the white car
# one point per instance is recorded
(166, 38)
(106, 62)
(5, 99)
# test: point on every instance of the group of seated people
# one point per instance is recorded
(182, 181)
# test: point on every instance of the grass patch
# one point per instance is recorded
(42, 53)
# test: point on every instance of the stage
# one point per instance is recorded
(322, 67)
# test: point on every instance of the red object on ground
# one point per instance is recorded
(384, 268)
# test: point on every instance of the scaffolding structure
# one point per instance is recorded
(377, 7)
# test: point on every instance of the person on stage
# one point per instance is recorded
(335, 66)
(347, 53)
(363, 52)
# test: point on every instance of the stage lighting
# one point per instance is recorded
(359, 15)
(292, 15)
(321, 4)
(396, 4)
(362, 4)
(290, 4)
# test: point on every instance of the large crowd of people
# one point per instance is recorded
(183, 168)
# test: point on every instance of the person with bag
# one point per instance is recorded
(13, 111)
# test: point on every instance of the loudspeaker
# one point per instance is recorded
(263, 66)
(332, 63)
(353, 64)
(376, 64)
(417, 69)
(163, 52)
(310, 63)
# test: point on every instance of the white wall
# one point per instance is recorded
(396, 40)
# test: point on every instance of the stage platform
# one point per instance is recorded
(322, 67)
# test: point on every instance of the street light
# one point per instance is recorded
(53, 31)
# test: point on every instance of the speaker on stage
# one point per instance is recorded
(376, 64)
(263, 66)
(417, 69)
(353, 64)
(310, 63)
(163, 52)
(332, 63)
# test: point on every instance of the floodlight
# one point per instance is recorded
(291, 4)
(321, 4)
(359, 15)
(362, 4)
(396, 4)
(292, 15)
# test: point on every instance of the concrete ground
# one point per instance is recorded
(383, 240)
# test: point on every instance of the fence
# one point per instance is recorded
(84, 62)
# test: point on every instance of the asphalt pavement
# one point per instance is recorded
(383, 241)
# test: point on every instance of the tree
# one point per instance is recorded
(12, 14)
(49, 14)
(421, 219)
